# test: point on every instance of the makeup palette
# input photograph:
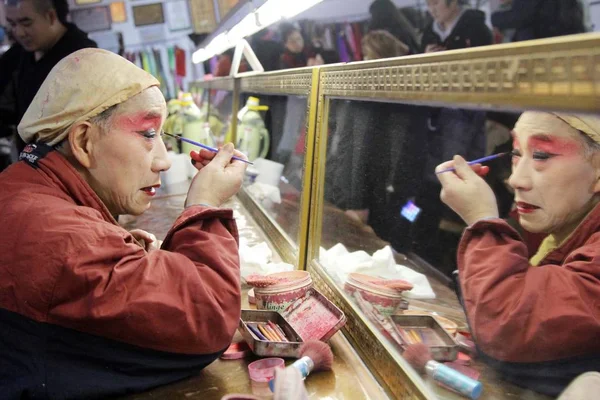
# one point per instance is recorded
(274, 334)
(427, 330)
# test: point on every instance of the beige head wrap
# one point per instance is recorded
(79, 87)
(588, 124)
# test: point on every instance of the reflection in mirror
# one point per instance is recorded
(528, 219)
(332, 32)
(276, 142)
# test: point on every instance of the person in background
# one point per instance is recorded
(89, 310)
(536, 19)
(386, 16)
(371, 154)
(41, 29)
(535, 316)
(267, 49)
(382, 44)
(454, 27)
(447, 131)
(295, 53)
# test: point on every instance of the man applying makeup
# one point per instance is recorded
(535, 317)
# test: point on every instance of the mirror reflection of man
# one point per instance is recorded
(40, 27)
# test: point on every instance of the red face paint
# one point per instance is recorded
(554, 145)
(141, 121)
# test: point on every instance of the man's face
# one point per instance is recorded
(441, 11)
(31, 29)
(555, 182)
(129, 155)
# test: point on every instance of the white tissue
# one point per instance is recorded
(263, 191)
(339, 263)
(257, 260)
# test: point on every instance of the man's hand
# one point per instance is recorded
(147, 239)
(466, 192)
(218, 178)
(433, 48)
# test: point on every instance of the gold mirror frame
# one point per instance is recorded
(560, 73)
(302, 82)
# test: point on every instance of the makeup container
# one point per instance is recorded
(387, 301)
(277, 297)
(264, 370)
(312, 317)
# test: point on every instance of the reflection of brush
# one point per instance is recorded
(314, 356)
(479, 160)
(204, 146)
(394, 284)
(419, 356)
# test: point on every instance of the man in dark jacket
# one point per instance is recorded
(537, 19)
(454, 27)
(448, 131)
(41, 28)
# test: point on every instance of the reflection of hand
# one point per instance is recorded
(147, 239)
(466, 192)
(432, 48)
(218, 178)
(361, 216)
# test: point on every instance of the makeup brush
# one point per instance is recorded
(419, 356)
(204, 146)
(314, 356)
(479, 160)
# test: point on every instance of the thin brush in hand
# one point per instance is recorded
(204, 146)
(479, 160)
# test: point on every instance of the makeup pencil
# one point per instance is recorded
(479, 160)
(204, 146)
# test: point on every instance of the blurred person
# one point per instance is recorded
(537, 19)
(40, 27)
(447, 131)
(386, 16)
(382, 44)
(295, 53)
(454, 27)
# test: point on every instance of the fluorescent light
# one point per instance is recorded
(244, 28)
(270, 12)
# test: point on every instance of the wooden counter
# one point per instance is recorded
(350, 379)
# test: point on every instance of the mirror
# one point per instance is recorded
(277, 147)
(390, 244)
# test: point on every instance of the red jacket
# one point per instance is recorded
(521, 313)
(65, 261)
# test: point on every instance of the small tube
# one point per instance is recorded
(454, 379)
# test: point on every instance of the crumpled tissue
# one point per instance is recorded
(257, 260)
(339, 263)
(265, 192)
